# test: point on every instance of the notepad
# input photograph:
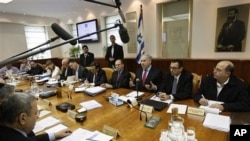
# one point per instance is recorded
(181, 108)
(217, 122)
(45, 123)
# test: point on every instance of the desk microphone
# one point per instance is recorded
(137, 87)
(132, 104)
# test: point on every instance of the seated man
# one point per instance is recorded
(225, 87)
(8, 69)
(35, 68)
(79, 71)
(120, 78)
(18, 117)
(177, 84)
(53, 70)
(25, 65)
(148, 76)
(65, 69)
(97, 75)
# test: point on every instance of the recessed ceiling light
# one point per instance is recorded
(5, 1)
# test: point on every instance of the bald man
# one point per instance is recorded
(225, 87)
(65, 69)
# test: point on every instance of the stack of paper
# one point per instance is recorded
(91, 104)
(217, 122)
(208, 109)
(181, 108)
(56, 128)
(45, 123)
(156, 98)
(134, 94)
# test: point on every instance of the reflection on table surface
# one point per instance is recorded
(124, 118)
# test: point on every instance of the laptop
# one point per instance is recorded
(158, 106)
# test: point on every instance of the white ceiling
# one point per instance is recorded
(50, 8)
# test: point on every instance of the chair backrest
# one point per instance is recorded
(108, 72)
(196, 82)
(132, 75)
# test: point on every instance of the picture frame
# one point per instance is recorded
(231, 28)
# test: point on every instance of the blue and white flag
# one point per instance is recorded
(140, 41)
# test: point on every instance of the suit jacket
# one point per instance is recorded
(10, 134)
(41, 137)
(233, 94)
(86, 61)
(100, 78)
(122, 81)
(154, 75)
(36, 70)
(82, 73)
(184, 85)
(64, 76)
(118, 54)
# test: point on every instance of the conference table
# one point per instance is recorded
(124, 118)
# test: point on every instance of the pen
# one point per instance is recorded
(203, 96)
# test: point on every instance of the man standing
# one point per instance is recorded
(225, 87)
(232, 33)
(177, 84)
(86, 58)
(113, 53)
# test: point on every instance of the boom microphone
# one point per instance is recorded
(123, 32)
(118, 5)
(62, 33)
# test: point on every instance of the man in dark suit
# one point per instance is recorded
(113, 53)
(35, 68)
(232, 33)
(86, 58)
(149, 77)
(97, 75)
(18, 114)
(120, 78)
(177, 84)
(79, 71)
(65, 69)
(225, 87)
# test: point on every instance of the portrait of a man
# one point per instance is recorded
(231, 28)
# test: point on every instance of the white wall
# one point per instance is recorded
(203, 27)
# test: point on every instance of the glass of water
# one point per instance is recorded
(35, 90)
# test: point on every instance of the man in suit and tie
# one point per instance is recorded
(18, 117)
(177, 83)
(149, 77)
(120, 78)
(65, 69)
(79, 71)
(113, 53)
(97, 75)
(86, 58)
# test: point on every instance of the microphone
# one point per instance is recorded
(132, 104)
(62, 33)
(118, 4)
(123, 32)
(137, 87)
(54, 38)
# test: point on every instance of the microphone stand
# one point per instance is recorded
(137, 91)
(25, 55)
(140, 110)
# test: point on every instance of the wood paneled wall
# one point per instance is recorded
(200, 66)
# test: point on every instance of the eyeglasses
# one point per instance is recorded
(173, 68)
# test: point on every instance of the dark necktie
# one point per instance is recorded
(144, 77)
(174, 87)
(118, 76)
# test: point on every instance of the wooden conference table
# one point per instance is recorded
(126, 119)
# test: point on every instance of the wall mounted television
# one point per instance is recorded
(87, 27)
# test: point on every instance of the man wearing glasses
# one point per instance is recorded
(223, 86)
(177, 83)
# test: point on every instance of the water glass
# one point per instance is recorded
(190, 134)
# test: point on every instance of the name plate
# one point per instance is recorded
(111, 131)
(146, 108)
(195, 111)
(71, 114)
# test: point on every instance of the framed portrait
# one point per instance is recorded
(231, 28)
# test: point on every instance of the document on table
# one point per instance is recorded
(181, 108)
(45, 123)
(78, 135)
(208, 109)
(91, 104)
(99, 136)
(56, 128)
(44, 113)
(156, 98)
(134, 94)
(217, 122)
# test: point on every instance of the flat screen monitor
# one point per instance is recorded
(87, 27)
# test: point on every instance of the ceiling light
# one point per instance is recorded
(5, 1)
